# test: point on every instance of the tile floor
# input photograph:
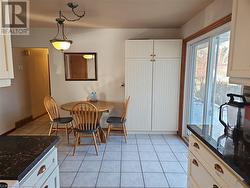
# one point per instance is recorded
(144, 161)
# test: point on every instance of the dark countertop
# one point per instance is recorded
(19, 154)
(234, 151)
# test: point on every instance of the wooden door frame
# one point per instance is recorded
(203, 31)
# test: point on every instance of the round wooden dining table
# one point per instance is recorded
(102, 106)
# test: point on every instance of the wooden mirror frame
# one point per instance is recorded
(82, 53)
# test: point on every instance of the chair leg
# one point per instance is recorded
(76, 143)
(67, 133)
(98, 136)
(124, 132)
(51, 127)
(94, 138)
(56, 128)
(72, 127)
(109, 129)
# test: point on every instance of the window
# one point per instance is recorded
(209, 84)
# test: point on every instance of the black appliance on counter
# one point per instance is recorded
(237, 125)
(237, 113)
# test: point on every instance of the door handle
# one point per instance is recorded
(218, 168)
(195, 163)
(196, 145)
(41, 170)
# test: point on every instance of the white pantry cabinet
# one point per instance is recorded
(152, 70)
(239, 60)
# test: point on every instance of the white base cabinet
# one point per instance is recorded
(202, 172)
(152, 71)
(45, 174)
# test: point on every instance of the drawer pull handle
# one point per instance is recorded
(195, 163)
(196, 145)
(46, 186)
(218, 168)
(41, 170)
(215, 186)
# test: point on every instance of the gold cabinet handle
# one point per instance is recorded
(195, 163)
(215, 186)
(218, 168)
(196, 145)
(41, 170)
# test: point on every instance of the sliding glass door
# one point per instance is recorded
(199, 82)
(209, 81)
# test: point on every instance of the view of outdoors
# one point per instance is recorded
(199, 83)
(210, 93)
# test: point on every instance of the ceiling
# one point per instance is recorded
(119, 13)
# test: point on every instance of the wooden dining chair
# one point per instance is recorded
(118, 123)
(86, 123)
(57, 123)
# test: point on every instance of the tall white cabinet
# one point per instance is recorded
(6, 61)
(239, 60)
(152, 71)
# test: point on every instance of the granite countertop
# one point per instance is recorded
(19, 154)
(234, 151)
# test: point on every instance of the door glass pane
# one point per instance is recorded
(221, 82)
(198, 95)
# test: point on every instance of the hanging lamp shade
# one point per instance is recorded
(60, 41)
(61, 45)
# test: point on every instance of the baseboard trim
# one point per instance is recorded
(8, 132)
(153, 132)
(39, 116)
(23, 121)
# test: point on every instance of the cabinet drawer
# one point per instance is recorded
(42, 170)
(213, 164)
(200, 175)
(191, 183)
(53, 180)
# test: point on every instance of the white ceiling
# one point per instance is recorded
(119, 13)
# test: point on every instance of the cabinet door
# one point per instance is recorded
(138, 86)
(239, 64)
(167, 49)
(199, 174)
(6, 61)
(165, 94)
(139, 49)
(53, 180)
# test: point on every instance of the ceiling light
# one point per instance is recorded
(60, 41)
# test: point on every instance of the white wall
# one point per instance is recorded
(109, 45)
(15, 100)
(213, 12)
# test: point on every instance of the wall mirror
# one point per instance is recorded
(80, 66)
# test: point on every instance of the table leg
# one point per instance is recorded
(103, 136)
(102, 133)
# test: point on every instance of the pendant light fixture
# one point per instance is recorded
(60, 41)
